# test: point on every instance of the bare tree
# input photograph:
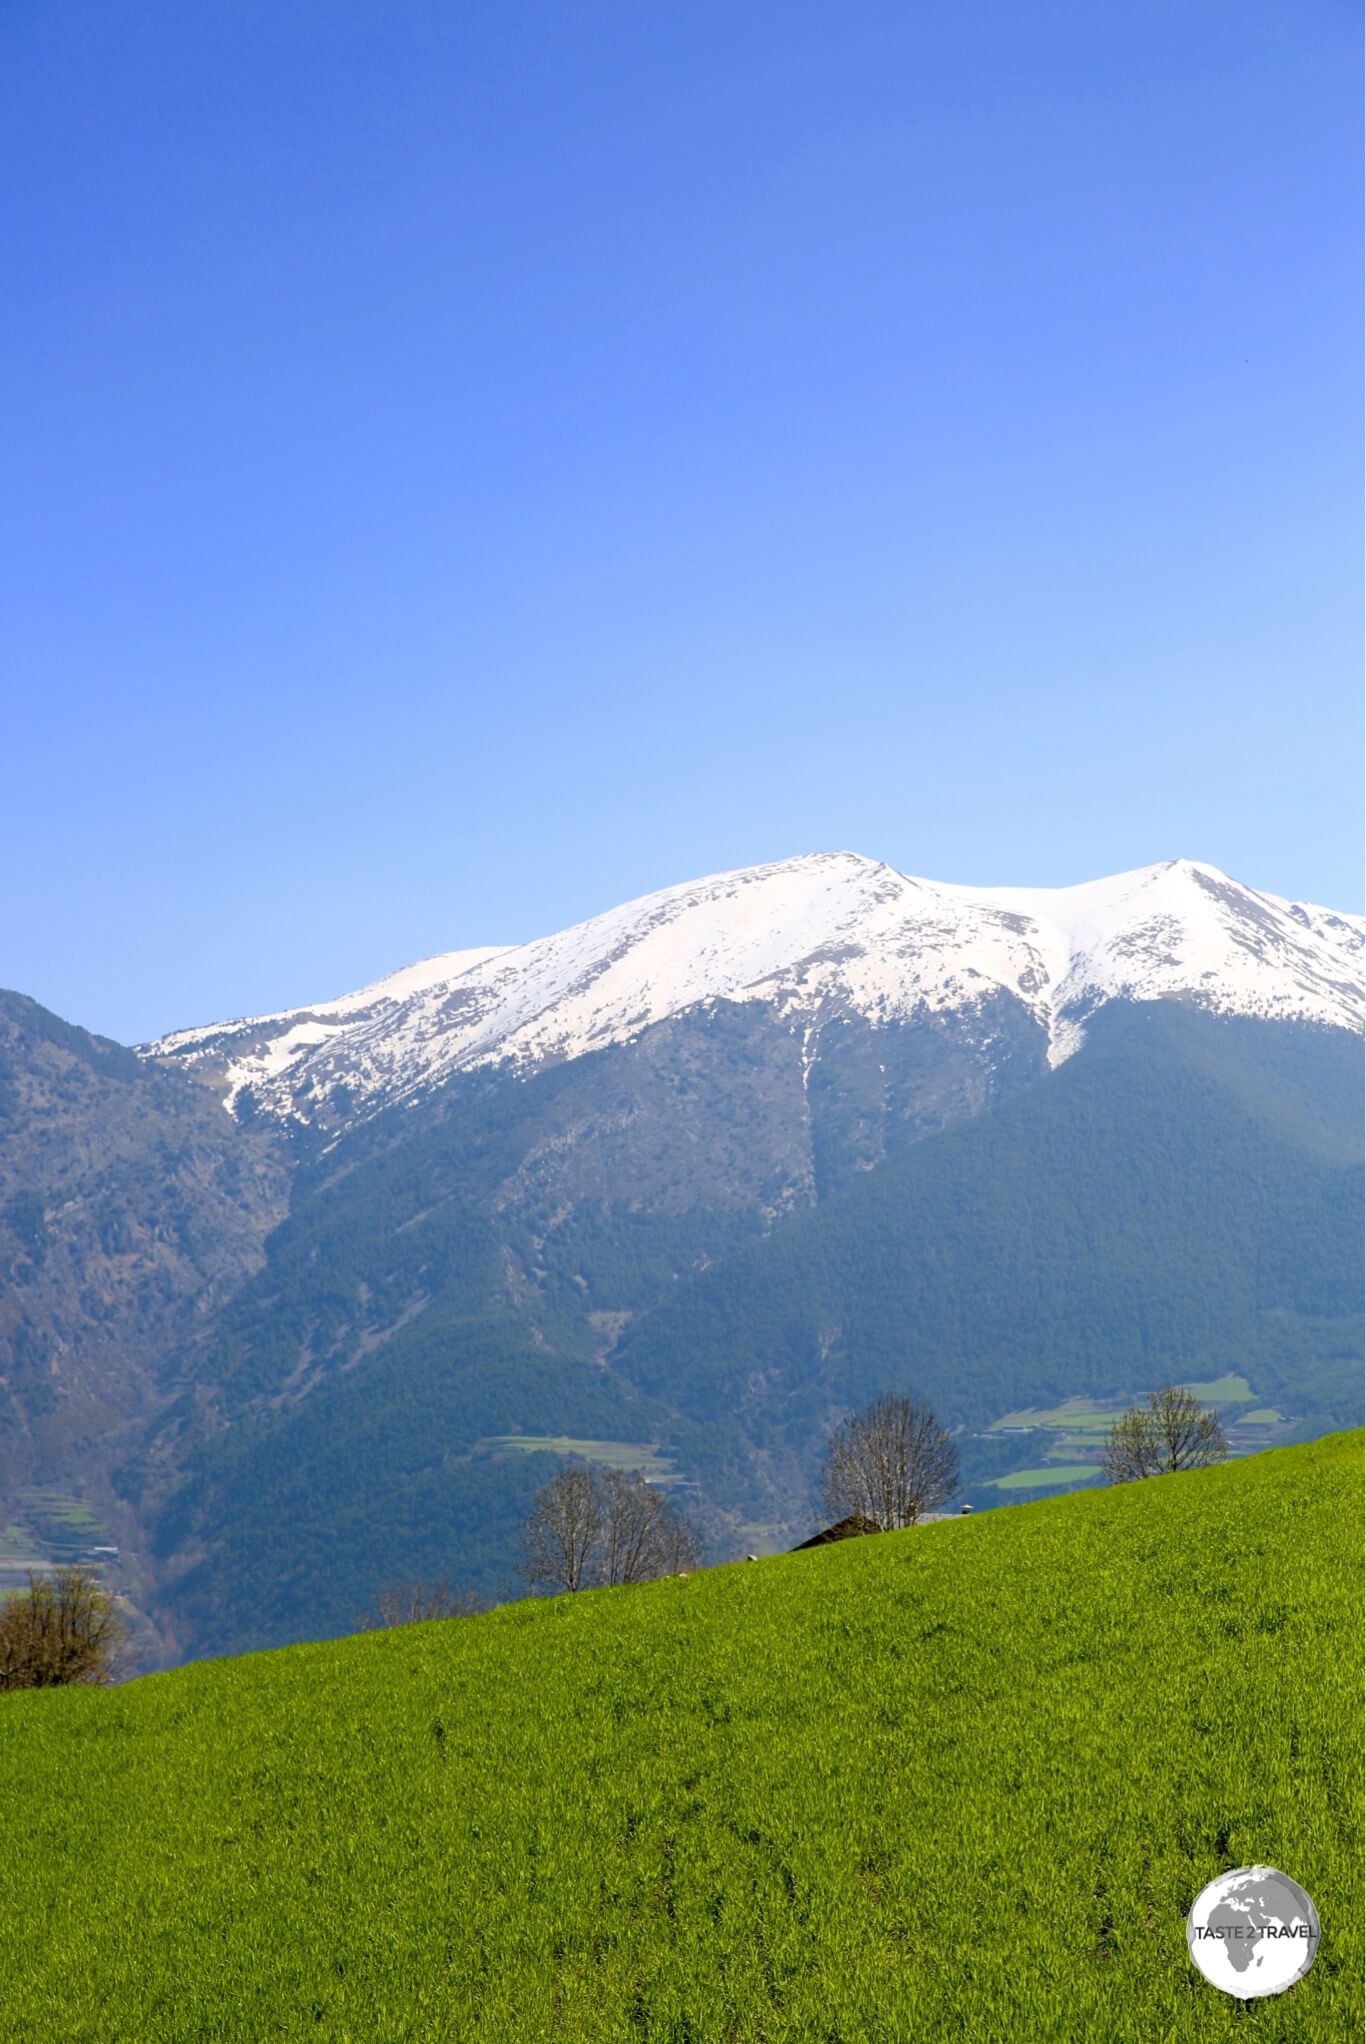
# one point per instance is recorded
(589, 1526)
(411, 1603)
(1172, 1431)
(66, 1629)
(644, 1535)
(1131, 1447)
(563, 1529)
(891, 1463)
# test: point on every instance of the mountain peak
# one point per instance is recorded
(821, 936)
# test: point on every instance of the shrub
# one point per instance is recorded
(67, 1628)
(411, 1603)
(1172, 1431)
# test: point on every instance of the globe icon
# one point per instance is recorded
(1253, 1931)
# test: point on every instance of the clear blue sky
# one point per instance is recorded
(465, 465)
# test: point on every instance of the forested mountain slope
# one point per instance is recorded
(1181, 1199)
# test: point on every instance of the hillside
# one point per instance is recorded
(1180, 1198)
(958, 1782)
(130, 1208)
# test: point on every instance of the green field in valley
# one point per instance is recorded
(1046, 1473)
(1061, 1445)
(50, 1527)
(1226, 1390)
(641, 1455)
(960, 1783)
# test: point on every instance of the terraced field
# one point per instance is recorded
(1060, 1446)
(641, 1455)
(48, 1526)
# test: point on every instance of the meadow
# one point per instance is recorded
(957, 1783)
(50, 1526)
(641, 1455)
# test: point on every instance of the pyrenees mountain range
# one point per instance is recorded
(297, 1305)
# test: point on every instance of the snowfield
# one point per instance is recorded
(816, 937)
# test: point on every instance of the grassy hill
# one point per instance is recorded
(962, 1782)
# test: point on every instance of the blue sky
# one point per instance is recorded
(466, 466)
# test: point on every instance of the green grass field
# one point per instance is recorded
(1046, 1473)
(1225, 1390)
(1072, 1416)
(960, 1783)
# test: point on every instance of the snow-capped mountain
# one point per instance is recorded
(817, 1151)
(819, 938)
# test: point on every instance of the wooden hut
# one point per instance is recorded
(843, 1529)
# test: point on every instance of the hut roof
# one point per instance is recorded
(843, 1529)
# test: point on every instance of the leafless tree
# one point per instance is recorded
(1189, 1434)
(410, 1603)
(66, 1629)
(1131, 1447)
(1173, 1430)
(644, 1535)
(562, 1532)
(892, 1463)
(590, 1526)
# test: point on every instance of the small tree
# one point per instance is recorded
(560, 1533)
(891, 1463)
(411, 1603)
(66, 1629)
(588, 1527)
(1171, 1431)
(643, 1533)
(1131, 1447)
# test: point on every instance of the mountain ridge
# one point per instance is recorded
(819, 937)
